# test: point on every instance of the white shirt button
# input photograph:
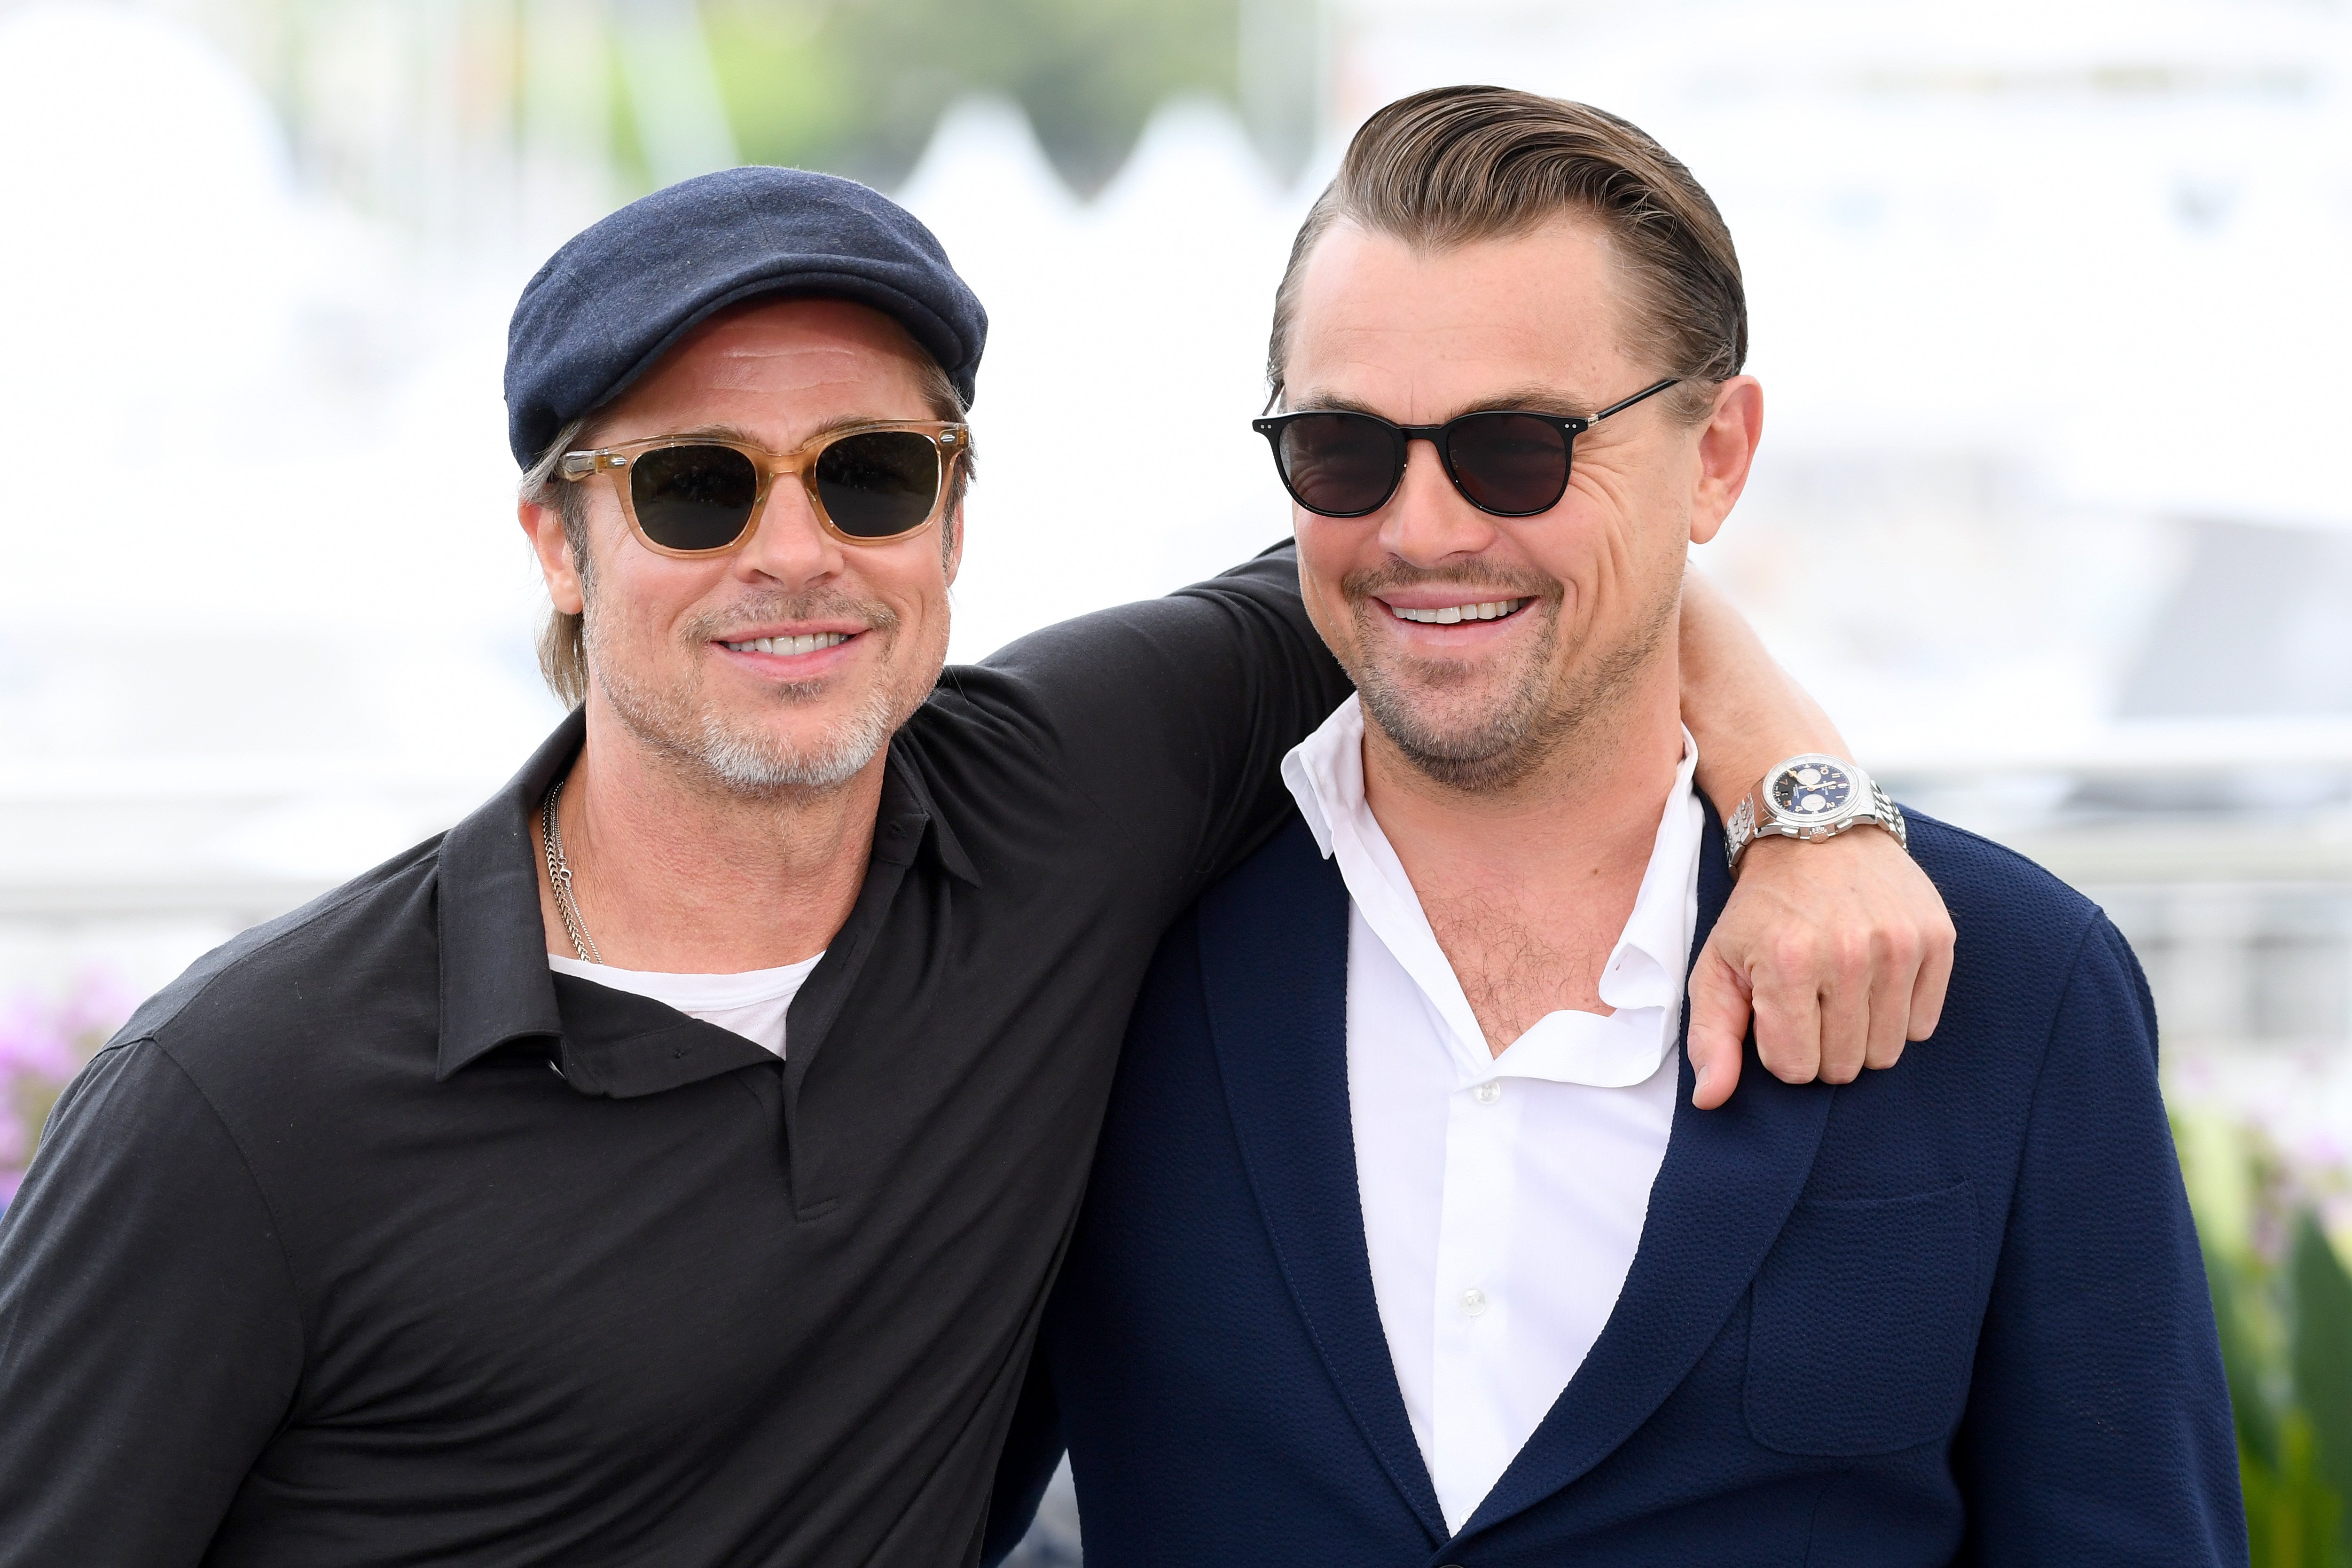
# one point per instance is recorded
(1488, 1092)
(1474, 1302)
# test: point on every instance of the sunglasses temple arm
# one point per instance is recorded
(1628, 403)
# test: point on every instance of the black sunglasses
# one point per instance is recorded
(1509, 462)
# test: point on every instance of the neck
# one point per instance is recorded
(673, 871)
(1541, 874)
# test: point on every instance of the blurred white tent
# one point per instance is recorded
(1125, 341)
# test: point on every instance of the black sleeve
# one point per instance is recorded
(150, 1341)
(1033, 1451)
(2098, 1426)
(1171, 716)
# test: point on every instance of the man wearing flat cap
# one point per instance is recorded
(669, 1164)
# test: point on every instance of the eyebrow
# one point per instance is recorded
(1528, 399)
(741, 436)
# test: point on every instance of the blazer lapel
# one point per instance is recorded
(1274, 965)
(1728, 1180)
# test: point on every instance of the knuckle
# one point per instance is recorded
(1852, 952)
(1786, 1062)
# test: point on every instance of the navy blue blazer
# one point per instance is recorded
(1953, 1311)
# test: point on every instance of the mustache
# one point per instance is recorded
(1521, 582)
(752, 609)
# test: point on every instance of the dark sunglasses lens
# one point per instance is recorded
(1341, 465)
(880, 484)
(1510, 463)
(693, 498)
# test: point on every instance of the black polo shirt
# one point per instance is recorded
(320, 1263)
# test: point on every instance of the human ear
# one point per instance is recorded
(543, 526)
(1727, 449)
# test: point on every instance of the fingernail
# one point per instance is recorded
(1702, 1078)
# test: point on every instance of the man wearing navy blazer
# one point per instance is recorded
(1405, 1243)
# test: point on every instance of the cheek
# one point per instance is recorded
(643, 596)
(912, 581)
(1326, 556)
(1599, 533)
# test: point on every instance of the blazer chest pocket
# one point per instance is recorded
(1863, 1324)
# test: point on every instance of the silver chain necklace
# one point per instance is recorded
(559, 876)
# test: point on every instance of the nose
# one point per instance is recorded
(789, 543)
(1428, 521)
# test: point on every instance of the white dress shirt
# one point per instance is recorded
(1503, 1195)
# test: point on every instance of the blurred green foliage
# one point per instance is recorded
(855, 86)
(2283, 1305)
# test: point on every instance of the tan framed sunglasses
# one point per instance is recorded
(701, 495)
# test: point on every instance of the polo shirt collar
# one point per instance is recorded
(496, 986)
(906, 795)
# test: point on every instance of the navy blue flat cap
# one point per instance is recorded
(620, 292)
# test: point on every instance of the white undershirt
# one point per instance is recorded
(1503, 1195)
(753, 1004)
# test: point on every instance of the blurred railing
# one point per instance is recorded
(2222, 849)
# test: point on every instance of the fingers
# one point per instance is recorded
(1894, 966)
(1719, 1027)
(1787, 1010)
(1845, 1002)
(1842, 951)
(1934, 975)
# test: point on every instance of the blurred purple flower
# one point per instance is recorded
(33, 1042)
(43, 1043)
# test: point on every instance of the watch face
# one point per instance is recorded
(1813, 790)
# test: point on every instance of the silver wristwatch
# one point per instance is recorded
(1811, 796)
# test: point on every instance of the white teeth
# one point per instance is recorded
(808, 644)
(1453, 615)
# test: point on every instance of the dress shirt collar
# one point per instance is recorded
(496, 987)
(1643, 979)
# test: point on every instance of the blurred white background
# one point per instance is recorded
(2047, 300)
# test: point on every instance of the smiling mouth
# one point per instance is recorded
(1453, 615)
(809, 643)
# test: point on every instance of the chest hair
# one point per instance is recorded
(1515, 966)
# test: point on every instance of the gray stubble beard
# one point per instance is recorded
(744, 760)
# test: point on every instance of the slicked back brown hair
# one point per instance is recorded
(1456, 165)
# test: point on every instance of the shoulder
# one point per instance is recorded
(135, 1100)
(2036, 966)
(1975, 869)
(2041, 1024)
(2018, 923)
(356, 949)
